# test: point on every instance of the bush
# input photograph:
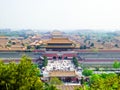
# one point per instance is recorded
(87, 72)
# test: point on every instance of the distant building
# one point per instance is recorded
(57, 34)
(3, 40)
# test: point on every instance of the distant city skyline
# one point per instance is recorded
(60, 14)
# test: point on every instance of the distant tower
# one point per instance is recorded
(57, 34)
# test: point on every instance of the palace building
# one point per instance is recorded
(59, 44)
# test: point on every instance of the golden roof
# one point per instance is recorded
(60, 46)
(62, 74)
(60, 40)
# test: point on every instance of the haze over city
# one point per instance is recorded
(59, 45)
(60, 14)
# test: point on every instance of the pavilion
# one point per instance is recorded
(65, 76)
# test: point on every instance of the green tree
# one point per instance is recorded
(92, 45)
(116, 64)
(75, 61)
(8, 45)
(102, 82)
(116, 45)
(9, 41)
(28, 47)
(55, 81)
(37, 47)
(21, 76)
(49, 87)
(13, 43)
(87, 72)
(81, 47)
(45, 61)
(84, 46)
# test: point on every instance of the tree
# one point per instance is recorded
(9, 41)
(20, 76)
(92, 45)
(13, 43)
(28, 47)
(116, 45)
(89, 42)
(97, 68)
(75, 61)
(37, 47)
(49, 87)
(8, 45)
(116, 64)
(87, 72)
(81, 47)
(84, 46)
(23, 44)
(45, 61)
(55, 81)
(102, 82)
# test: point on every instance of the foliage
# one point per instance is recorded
(83, 87)
(97, 68)
(92, 45)
(23, 44)
(102, 82)
(116, 64)
(87, 72)
(22, 76)
(116, 45)
(55, 81)
(13, 43)
(45, 61)
(9, 42)
(38, 47)
(49, 87)
(105, 82)
(8, 45)
(28, 47)
(83, 47)
(75, 61)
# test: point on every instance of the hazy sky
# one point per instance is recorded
(60, 14)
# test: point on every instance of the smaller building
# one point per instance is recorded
(65, 76)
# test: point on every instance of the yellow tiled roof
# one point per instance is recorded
(62, 74)
(59, 40)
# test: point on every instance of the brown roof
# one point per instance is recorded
(3, 48)
(17, 46)
(62, 74)
(60, 40)
(60, 47)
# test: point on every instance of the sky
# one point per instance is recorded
(60, 14)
